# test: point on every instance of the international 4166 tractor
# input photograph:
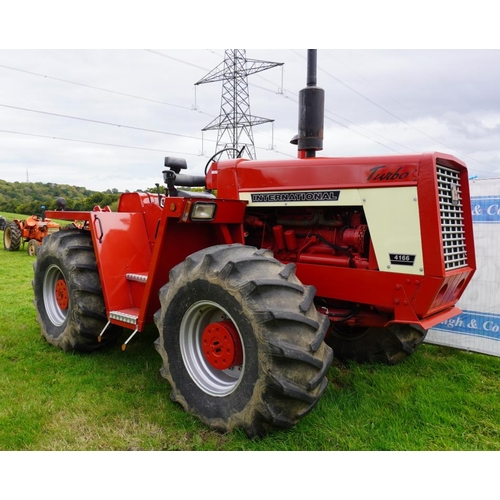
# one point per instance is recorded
(255, 283)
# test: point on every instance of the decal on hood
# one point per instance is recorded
(299, 196)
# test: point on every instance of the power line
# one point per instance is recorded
(190, 108)
(355, 131)
(183, 61)
(123, 93)
(99, 88)
(395, 116)
(110, 123)
(176, 59)
(100, 122)
(113, 145)
(329, 52)
(98, 143)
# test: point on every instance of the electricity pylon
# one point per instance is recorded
(235, 122)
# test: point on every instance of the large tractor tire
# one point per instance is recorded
(241, 341)
(12, 237)
(389, 345)
(68, 296)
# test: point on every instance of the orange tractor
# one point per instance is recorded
(32, 231)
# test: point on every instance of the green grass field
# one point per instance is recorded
(439, 399)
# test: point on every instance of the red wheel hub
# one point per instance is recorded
(61, 293)
(222, 345)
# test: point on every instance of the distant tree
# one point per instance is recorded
(28, 197)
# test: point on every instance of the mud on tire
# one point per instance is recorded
(264, 311)
(68, 296)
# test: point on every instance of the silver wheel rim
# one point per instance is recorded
(215, 382)
(56, 315)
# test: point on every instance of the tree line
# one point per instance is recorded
(27, 198)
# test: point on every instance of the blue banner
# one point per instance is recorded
(474, 329)
(473, 323)
(485, 209)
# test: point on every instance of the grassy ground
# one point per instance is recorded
(439, 399)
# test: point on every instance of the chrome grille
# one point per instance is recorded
(452, 218)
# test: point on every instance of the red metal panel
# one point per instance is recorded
(313, 173)
(412, 298)
(147, 241)
(68, 215)
(121, 246)
(176, 240)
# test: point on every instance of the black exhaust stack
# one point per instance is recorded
(311, 111)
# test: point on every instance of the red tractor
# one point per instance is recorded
(252, 282)
(32, 230)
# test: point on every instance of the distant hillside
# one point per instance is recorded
(28, 197)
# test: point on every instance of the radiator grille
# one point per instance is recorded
(452, 218)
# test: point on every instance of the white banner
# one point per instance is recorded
(478, 327)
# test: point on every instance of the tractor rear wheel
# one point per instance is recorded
(12, 237)
(241, 341)
(375, 345)
(32, 247)
(68, 296)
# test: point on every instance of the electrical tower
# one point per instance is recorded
(235, 122)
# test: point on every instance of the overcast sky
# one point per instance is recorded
(106, 119)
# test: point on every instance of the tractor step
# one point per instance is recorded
(129, 316)
(126, 316)
(139, 277)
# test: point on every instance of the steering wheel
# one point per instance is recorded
(220, 152)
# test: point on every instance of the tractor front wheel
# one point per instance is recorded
(388, 345)
(12, 237)
(32, 247)
(241, 341)
(68, 296)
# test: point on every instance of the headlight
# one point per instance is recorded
(203, 211)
